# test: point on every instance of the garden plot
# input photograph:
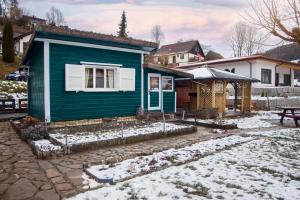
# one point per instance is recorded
(145, 164)
(266, 168)
(256, 121)
(134, 131)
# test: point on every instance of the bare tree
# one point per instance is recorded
(245, 40)
(55, 17)
(280, 18)
(238, 38)
(157, 34)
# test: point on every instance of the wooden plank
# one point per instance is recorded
(243, 96)
(198, 96)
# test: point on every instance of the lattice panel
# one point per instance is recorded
(205, 96)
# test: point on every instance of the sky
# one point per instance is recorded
(209, 21)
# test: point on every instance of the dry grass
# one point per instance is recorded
(6, 68)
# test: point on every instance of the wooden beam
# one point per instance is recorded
(213, 94)
(224, 96)
(235, 96)
(243, 96)
(198, 97)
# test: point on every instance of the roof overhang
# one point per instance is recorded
(168, 70)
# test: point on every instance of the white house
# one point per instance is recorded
(179, 53)
(271, 72)
(20, 41)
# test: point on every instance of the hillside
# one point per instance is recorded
(288, 52)
(6, 68)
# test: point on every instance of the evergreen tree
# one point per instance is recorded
(122, 26)
(8, 51)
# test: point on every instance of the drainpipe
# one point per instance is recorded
(250, 63)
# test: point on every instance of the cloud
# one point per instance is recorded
(224, 3)
(208, 24)
(86, 2)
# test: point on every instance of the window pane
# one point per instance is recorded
(89, 77)
(110, 78)
(266, 76)
(167, 83)
(154, 83)
(99, 78)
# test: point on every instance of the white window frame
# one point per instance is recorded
(172, 90)
(94, 89)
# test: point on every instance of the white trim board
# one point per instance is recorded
(95, 46)
(142, 81)
(47, 82)
(101, 64)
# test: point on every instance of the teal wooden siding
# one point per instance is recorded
(168, 97)
(154, 99)
(89, 105)
(36, 82)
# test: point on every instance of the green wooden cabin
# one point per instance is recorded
(76, 75)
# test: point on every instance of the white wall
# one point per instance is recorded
(243, 68)
(19, 44)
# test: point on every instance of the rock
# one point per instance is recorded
(52, 173)
(4, 176)
(22, 189)
(12, 179)
(46, 195)
(63, 187)
(3, 188)
(46, 187)
(58, 180)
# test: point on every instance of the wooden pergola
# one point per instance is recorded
(208, 89)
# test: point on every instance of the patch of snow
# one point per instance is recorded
(256, 121)
(259, 169)
(292, 134)
(46, 146)
(145, 164)
(87, 137)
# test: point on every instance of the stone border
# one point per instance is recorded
(210, 125)
(75, 148)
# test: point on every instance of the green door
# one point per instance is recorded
(154, 91)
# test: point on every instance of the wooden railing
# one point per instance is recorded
(10, 106)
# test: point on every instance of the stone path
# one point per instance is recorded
(20, 174)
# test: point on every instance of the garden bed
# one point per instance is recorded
(145, 164)
(86, 140)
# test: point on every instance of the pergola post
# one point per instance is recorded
(198, 96)
(235, 96)
(243, 96)
(213, 94)
(224, 96)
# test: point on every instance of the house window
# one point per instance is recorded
(154, 83)
(233, 70)
(182, 56)
(100, 78)
(266, 76)
(167, 83)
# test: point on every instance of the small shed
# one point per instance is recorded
(207, 90)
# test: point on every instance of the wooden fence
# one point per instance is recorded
(12, 105)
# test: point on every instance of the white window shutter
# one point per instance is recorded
(126, 79)
(74, 75)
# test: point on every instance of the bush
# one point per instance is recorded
(8, 51)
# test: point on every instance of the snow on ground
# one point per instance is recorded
(292, 134)
(265, 168)
(45, 146)
(87, 137)
(145, 164)
(256, 121)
